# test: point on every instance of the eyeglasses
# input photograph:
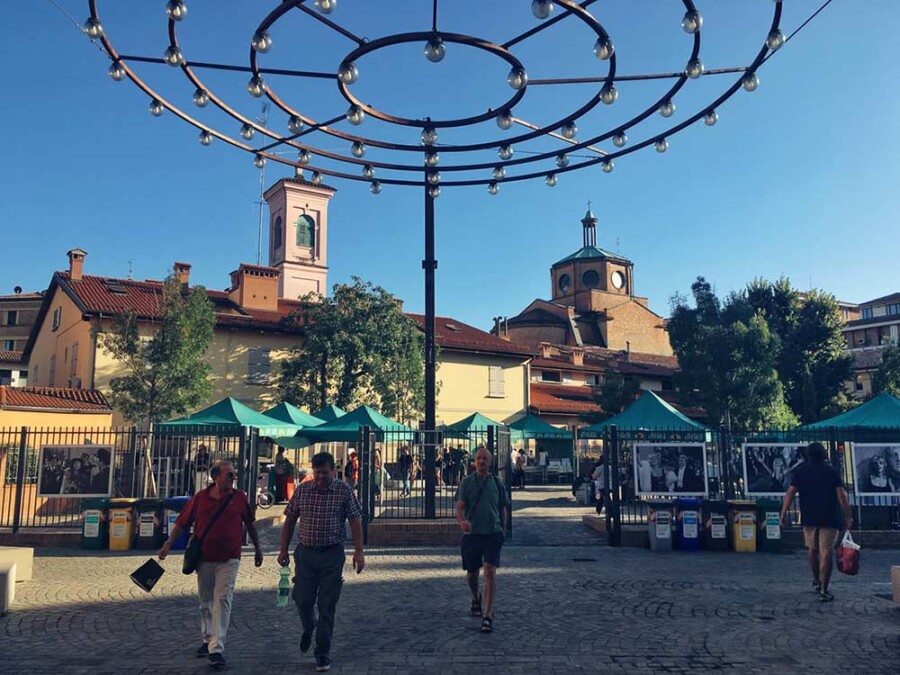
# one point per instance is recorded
(231, 474)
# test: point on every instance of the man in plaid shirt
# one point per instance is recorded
(321, 505)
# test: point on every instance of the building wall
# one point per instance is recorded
(14, 336)
(631, 326)
(533, 336)
(56, 420)
(464, 387)
(55, 346)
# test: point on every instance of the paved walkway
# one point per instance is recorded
(562, 609)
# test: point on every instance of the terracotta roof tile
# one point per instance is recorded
(54, 398)
(10, 357)
(453, 334)
(576, 400)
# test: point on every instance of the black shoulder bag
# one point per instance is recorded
(193, 554)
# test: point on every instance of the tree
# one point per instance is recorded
(887, 377)
(727, 357)
(358, 347)
(166, 373)
(617, 393)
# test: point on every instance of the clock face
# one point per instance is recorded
(564, 283)
(618, 279)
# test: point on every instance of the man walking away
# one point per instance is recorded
(404, 466)
(598, 475)
(221, 549)
(821, 493)
(321, 505)
(481, 510)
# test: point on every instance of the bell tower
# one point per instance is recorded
(298, 235)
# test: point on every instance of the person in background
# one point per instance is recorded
(351, 472)
(405, 467)
(521, 459)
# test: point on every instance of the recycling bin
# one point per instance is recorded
(121, 524)
(95, 524)
(687, 524)
(171, 508)
(742, 517)
(149, 524)
(768, 519)
(659, 524)
(715, 525)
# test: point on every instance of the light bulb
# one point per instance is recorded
(261, 41)
(604, 48)
(607, 165)
(348, 73)
(569, 130)
(493, 188)
(116, 71)
(92, 28)
(551, 180)
(505, 120)
(662, 145)
(750, 82)
(303, 157)
(205, 138)
(667, 108)
(259, 161)
(368, 171)
(692, 22)
(201, 98)
(358, 149)
(542, 8)
(173, 56)
(256, 87)
(429, 136)
(375, 187)
(710, 118)
(562, 160)
(499, 173)
(433, 177)
(432, 158)
(295, 124)
(434, 191)
(775, 40)
(505, 152)
(316, 178)
(247, 132)
(325, 6)
(355, 115)
(435, 49)
(609, 94)
(176, 10)
(156, 108)
(694, 68)
(620, 139)
(517, 78)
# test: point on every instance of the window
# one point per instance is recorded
(259, 365)
(496, 382)
(593, 380)
(867, 312)
(57, 317)
(52, 381)
(35, 376)
(12, 318)
(564, 283)
(73, 369)
(859, 384)
(306, 231)
(550, 376)
(23, 378)
(276, 234)
(893, 310)
(591, 279)
(5, 377)
(9, 345)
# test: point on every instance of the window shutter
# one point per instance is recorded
(496, 382)
(258, 366)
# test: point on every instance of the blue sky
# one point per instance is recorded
(798, 178)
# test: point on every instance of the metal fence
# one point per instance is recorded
(46, 473)
(644, 466)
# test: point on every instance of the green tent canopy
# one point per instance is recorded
(474, 422)
(881, 412)
(285, 412)
(532, 426)
(346, 428)
(329, 413)
(648, 413)
(228, 413)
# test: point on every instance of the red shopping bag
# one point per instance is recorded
(848, 555)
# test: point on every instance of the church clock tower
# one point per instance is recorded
(298, 235)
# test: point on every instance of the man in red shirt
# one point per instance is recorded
(221, 548)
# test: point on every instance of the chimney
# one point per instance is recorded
(76, 263)
(627, 350)
(546, 350)
(183, 272)
(577, 356)
(255, 287)
(497, 326)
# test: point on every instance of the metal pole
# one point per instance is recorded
(20, 478)
(615, 537)
(429, 264)
(725, 463)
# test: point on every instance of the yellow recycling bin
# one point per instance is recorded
(121, 524)
(742, 516)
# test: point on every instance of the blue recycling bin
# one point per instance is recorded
(172, 506)
(687, 524)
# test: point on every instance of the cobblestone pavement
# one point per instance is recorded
(567, 604)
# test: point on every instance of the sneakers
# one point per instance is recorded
(217, 662)
(305, 641)
(323, 663)
(203, 651)
(826, 596)
(487, 625)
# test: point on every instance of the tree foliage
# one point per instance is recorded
(358, 348)
(617, 393)
(887, 377)
(166, 374)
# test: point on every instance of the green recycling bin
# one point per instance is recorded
(768, 523)
(149, 524)
(715, 525)
(95, 524)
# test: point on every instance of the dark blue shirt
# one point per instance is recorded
(817, 484)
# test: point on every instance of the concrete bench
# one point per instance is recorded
(7, 586)
(23, 556)
(895, 582)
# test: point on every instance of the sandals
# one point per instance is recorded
(476, 606)
(826, 597)
(487, 625)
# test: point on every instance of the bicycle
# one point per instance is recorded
(265, 498)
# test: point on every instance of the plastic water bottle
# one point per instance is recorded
(284, 587)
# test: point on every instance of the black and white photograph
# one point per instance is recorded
(769, 468)
(876, 468)
(670, 468)
(75, 471)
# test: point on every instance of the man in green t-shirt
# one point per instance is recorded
(481, 511)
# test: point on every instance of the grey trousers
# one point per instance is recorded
(319, 579)
(215, 586)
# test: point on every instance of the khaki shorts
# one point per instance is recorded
(821, 538)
